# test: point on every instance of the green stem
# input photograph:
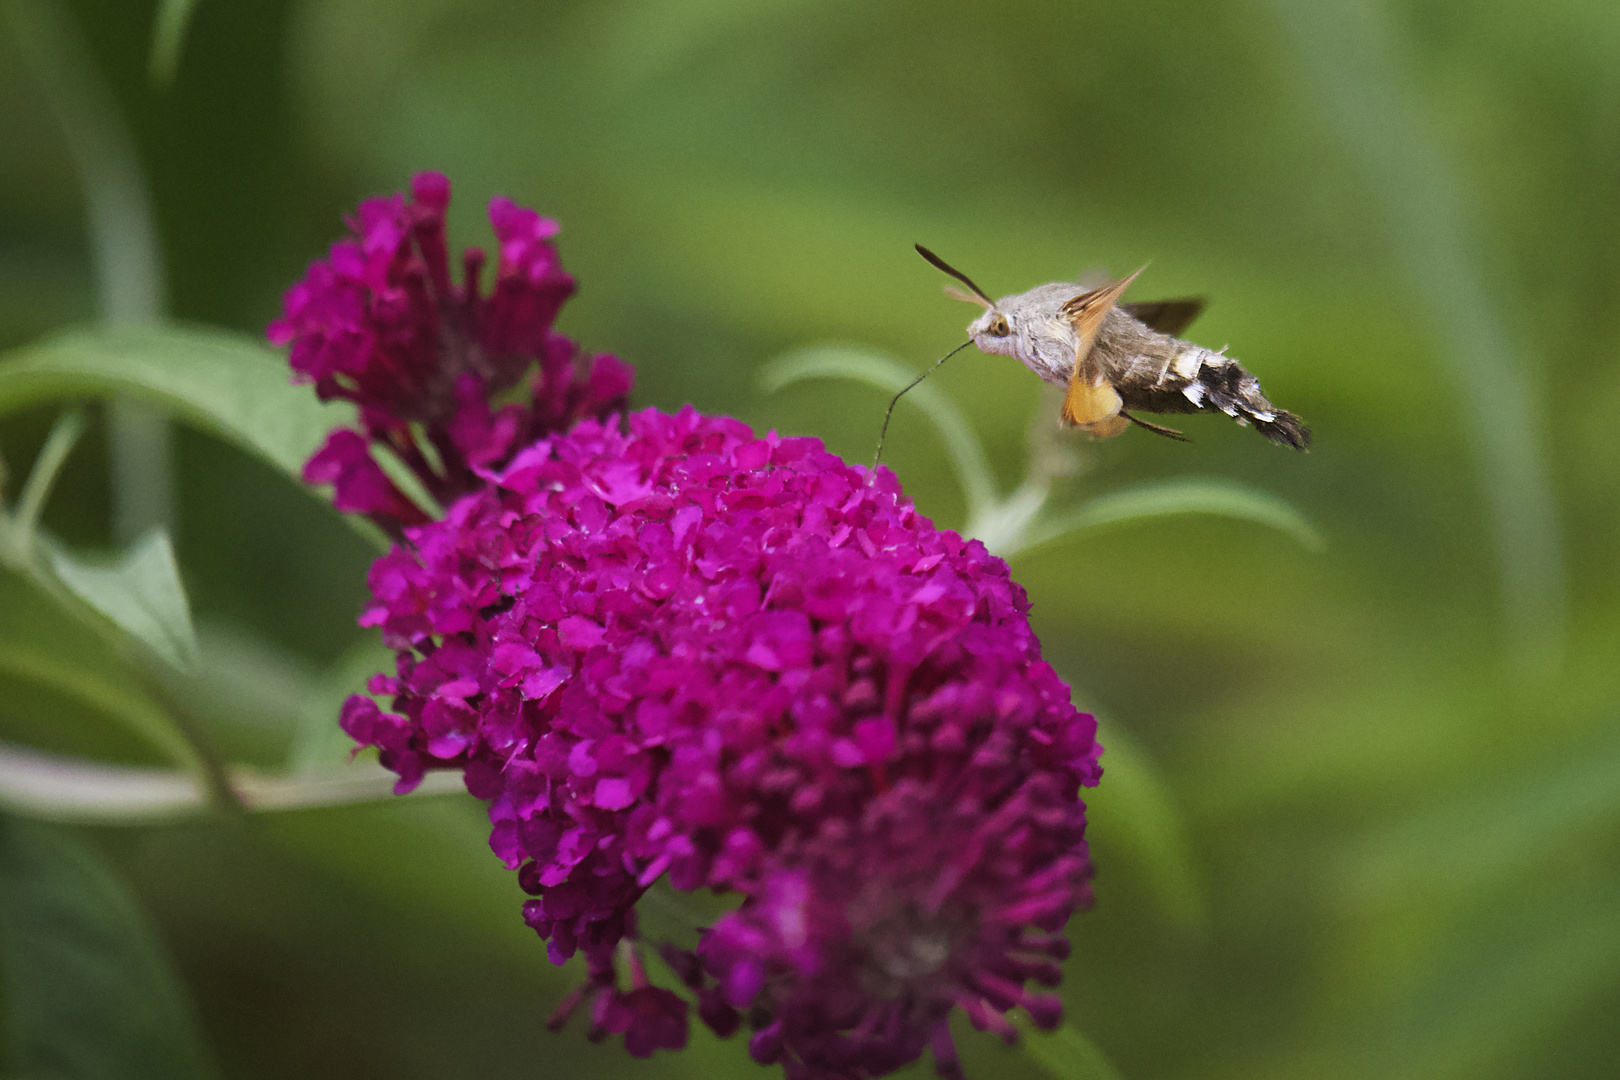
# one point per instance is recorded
(878, 369)
(1002, 526)
(59, 444)
(208, 761)
(91, 792)
(168, 35)
(201, 753)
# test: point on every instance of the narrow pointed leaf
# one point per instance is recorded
(409, 484)
(1351, 56)
(225, 384)
(1214, 497)
(89, 994)
(141, 594)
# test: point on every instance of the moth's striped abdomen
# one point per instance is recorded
(1156, 373)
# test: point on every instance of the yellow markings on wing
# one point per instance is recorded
(1091, 403)
(1088, 404)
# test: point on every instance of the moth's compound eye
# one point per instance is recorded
(998, 327)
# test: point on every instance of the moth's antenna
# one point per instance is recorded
(884, 434)
(940, 264)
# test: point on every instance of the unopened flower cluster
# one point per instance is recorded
(661, 647)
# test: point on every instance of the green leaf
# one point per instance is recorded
(248, 692)
(1217, 497)
(1065, 1053)
(225, 384)
(123, 240)
(89, 994)
(141, 594)
(93, 688)
(664, 914)
(877, 368)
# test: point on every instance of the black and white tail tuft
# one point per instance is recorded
(1226, 385)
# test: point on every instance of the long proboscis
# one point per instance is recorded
(884, 434)
(940, 264)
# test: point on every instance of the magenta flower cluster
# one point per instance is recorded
(661, 647)
(381, 323)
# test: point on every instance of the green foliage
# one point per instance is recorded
(89, 993)
(1358, 813)
(141, 594)
(168, 38)
(224, 383)
(20, 534)
(1215, 497)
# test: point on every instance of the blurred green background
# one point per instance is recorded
(1369, 799)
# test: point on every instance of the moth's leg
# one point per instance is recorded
(1169, 433)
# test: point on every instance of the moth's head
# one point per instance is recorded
(992, 332)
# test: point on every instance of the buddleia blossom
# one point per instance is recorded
(380, 322)
(663, 648)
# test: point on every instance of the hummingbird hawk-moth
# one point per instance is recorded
(1115, 359)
